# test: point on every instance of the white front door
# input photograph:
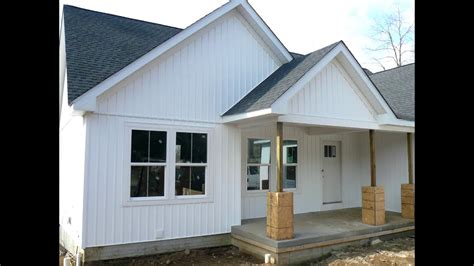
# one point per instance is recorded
(331, 172)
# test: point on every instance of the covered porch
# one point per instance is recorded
(348, 186)
(325, 160)
(317, 233)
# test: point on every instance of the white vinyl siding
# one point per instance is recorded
(331, 93)
(199, 79)
(391, 168)
(108, 220)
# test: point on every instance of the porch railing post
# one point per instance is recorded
(279, 156)
(410, 159)
(373, 197)
(373, 177)
(408, 190)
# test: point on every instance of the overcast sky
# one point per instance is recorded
(302, 25)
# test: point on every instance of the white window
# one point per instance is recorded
(290, 162)
(191, 163)
(148, 163)
(258, 164)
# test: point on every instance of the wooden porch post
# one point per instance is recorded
(373, 176)
(279, 203)
(373, 197)
(408, 190)
(279, 156)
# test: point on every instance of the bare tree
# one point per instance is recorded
(393, 37)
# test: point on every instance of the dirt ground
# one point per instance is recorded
(400, 251)
(393, 252)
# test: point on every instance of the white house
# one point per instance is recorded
(169, 133)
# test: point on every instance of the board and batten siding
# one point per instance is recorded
(392, 165)
(308, 193)
(391, 169)
(200, 78)
(109, 221)
(72, 139)
(331, 93)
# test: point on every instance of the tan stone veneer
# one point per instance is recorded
(280, 215)
(373, 205)
(408, 201)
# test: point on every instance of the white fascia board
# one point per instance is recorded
(281, 104)
(87, 101)
(386, 119)
(238, 117)
(336, 122)
(366, 80)
(265, 32)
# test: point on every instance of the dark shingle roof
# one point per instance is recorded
(397, 86)
(269, 90)
(99, 44)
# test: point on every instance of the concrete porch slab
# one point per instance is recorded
(317, 232)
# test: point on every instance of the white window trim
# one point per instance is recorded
(170, 166)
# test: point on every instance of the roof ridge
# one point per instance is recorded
(114, 15)
(323, 48)
(393, 68)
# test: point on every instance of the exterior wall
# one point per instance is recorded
(331, 93)
(392, 165)
(199, 79)
(391, 161)
(71, 168)
(308, 194)
(109, 220)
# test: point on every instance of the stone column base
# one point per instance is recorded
(408, 201)
(373, 205)
(280, 215)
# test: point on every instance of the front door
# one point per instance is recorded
(331, 172)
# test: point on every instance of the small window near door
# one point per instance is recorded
(329, 151)
(290, 162)
(258, 164)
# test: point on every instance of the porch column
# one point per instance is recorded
(279, 204)
(373, 197)
(408, 190)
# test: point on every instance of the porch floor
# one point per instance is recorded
(322, 227)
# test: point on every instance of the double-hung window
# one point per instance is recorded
(290, 161)
(258, 164)
(191, 163)
(148, 163)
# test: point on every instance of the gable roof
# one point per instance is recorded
(397, 85)
(85, 99)
(269, 90)
(99, 44)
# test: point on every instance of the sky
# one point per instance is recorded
(302, 25)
